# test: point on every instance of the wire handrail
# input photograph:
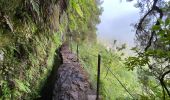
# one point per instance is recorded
(109, 70)
(119, 82)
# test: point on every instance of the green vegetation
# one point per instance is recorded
(110, 88)
(83, 17)
(27, 49)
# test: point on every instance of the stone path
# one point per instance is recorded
(72, 80)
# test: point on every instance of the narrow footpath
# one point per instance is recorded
(71, 79)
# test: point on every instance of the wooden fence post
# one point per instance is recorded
(77, 52)
(98, 76)
(71, 43)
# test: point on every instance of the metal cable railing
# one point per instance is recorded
(98, 73)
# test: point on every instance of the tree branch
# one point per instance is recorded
(139, 27)
(144, 17)
(162, 82)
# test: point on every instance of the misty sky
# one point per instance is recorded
(116, 19)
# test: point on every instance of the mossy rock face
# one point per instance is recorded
(27, 47)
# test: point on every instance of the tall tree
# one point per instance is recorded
(153, 45)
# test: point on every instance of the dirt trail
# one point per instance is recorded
(72, 80)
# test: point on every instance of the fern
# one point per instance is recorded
(22, 87)
(35, 6)
(77, 7)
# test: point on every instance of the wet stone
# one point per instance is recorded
(72, 82)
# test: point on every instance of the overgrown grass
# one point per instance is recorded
(110, 88)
